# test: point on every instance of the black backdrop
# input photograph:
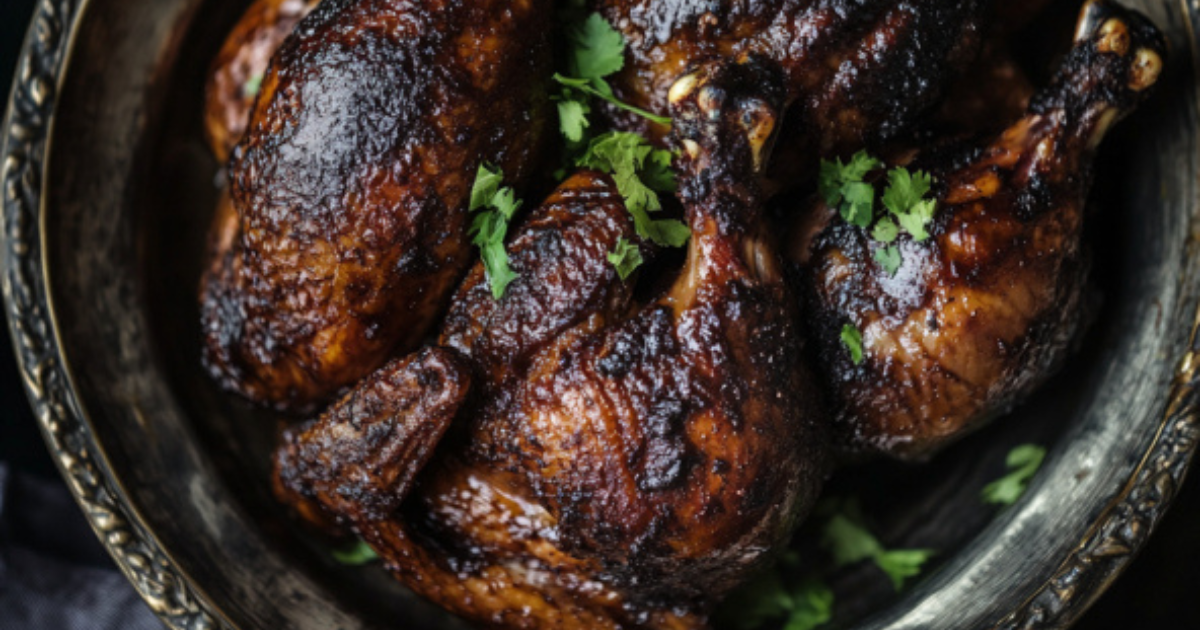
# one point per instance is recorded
(1160, 591)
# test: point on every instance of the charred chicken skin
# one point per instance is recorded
(622, 464)
(238, 68)
(351, 186)
(857, 72)
(983, 311)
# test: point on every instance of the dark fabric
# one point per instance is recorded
(54, 575)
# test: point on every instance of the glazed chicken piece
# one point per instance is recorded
(981, 313)
(237, 70)
(352, 185)
(858, 71)
(625, 465)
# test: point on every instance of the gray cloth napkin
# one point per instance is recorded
(54, 575)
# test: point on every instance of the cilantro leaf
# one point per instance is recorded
(812, 607)
(626, 257)
(359, 553)
(572, 118)
(842, 187)
(1023, 463)
(852, 339)
(768, 596)
(885, 230)
(252, 85)
(624, 156)
(600, 89)
(597, 49)
(849, 541)
(889, 258)
(905, 200)
(495, 207)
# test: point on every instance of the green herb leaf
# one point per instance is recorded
(626, 257)
(852, 339)
(885, 230)
(904, 199)
(359, 553)
(858, 203)
(625, 156)
(835, 176)
(850, 541)
(767, 597)
(889, 258)
(495, 207)
(572, 119)
(813, 607)
(599, 88)
(1023, 463)
(252, 85)
(597, 49)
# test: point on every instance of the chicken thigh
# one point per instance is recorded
(352, 184)
(982, 312)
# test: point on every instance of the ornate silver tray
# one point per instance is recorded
(107, 192)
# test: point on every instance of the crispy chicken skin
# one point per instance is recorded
(352, 183)
(241, 62)
(983, 311)
(626, 465)
(858, 72)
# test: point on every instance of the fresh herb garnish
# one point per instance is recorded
(905, 200)
(597, 51)
(626, 257)
(252, 85)
(842, 187)
(1023, 463)
(803, 604)
(852, 339)
(494, 206)
(359, 553)
(849, 541)
(889, 258)
(640, 172)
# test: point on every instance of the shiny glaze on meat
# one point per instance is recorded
(983, 311)
(859, 72)
(245, 55)
(352, 186)
(627, 464)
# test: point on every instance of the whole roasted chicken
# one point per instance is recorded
(351, 186)
(980, 313)
(604, 463)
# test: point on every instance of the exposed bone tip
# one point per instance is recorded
(1147, 66)
(683, 88)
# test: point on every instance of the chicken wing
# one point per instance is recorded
(352, 184)
(982, 312)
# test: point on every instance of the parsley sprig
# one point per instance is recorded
(494, 206)
(847, 538)
(597, 51)
(843, 186)
(357, 554)
(852, 339)
(1023, 463)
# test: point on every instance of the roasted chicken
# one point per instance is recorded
(982, 312)
(617, 464)
(237, 70)
(351, 186)
(857, 72)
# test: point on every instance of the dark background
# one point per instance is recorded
(1161, 590)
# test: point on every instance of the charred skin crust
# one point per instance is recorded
(352, 184)
(859, 72)
(984, 311)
